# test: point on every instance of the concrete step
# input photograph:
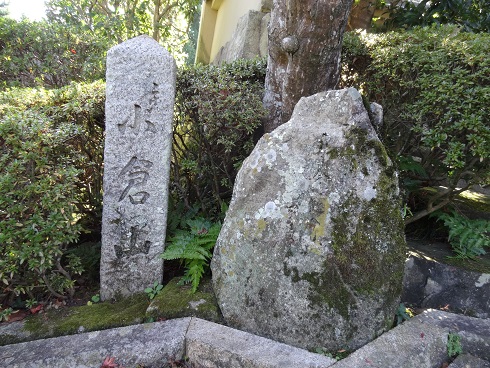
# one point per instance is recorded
(422, 342)
(149, 344)
(418, 343)
(469, 361)
(410, 345)
(156, 344)
(211, 345)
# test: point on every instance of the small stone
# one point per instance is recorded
(197, 303)
(377, 114)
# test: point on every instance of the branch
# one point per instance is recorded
(51, 290)
(427, 211)
(165, 11)
(61, 270)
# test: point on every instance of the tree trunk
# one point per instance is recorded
(361, 15)
(156, 21)
(305, 41)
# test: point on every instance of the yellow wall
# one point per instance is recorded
(219, 19)
(227, 19)
(206, 33)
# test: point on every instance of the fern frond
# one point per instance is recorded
(194, 248)
(195, 272)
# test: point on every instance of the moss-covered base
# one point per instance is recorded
(66, 321)
(174, 301)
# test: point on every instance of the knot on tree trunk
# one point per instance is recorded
(290, 44)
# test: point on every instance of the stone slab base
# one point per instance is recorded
(420, 342)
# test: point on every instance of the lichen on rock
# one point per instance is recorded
(312, 249)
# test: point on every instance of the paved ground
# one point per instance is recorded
(418, 343)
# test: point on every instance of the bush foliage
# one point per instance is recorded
(434, 85)
(217, 113)
(38, 194)
(50, 180)
(48, 54)
(471, 15)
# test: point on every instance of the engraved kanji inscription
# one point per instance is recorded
(136, 174)
(133, 240)
(141, 114)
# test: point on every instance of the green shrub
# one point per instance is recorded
(38, 195)
(50, 190)
(471, 15)
(434, 85)
(81, 105)
(218, 110)
(48, 54)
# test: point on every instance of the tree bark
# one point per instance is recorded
(361, 15)
(305, 41)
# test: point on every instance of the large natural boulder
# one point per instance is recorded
(312, 249)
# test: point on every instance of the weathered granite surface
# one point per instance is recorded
(312, 249)
(474, 332)
(469, 361)
(413, 344)
(419, 342)
(210, 345)
(139, 108)
(150, 345)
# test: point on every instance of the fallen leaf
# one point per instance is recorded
(110, 362)
(36, 309)
(422, 335)
(17, 315)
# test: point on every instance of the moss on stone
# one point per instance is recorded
(337, 297)
(261, 225)
(359, 138)
(85, 318)
(357, 252)
(175, 301)
(7, 339)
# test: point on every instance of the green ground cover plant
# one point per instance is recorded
(194, 247)
(469, 238)
(454, 347)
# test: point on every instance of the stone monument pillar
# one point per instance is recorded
(140, 96)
